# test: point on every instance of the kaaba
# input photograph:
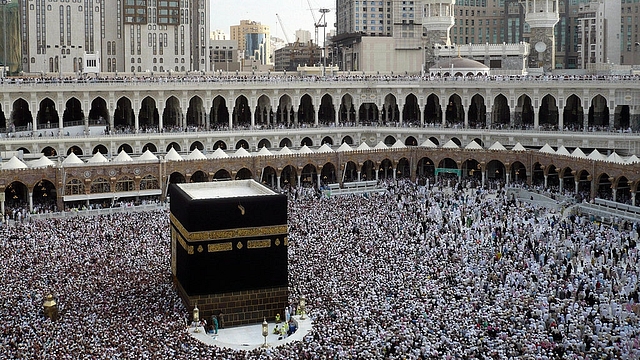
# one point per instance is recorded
(229, 244)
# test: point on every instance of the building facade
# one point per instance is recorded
(132, 36)
(253, 41)
(413, 119)
(599, 33)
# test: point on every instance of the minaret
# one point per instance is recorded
(542, 16)
(438, 17)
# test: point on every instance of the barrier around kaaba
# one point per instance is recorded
(229, 249)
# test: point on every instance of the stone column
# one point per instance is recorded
(561, 179)
(60, 108)
(359, 173)
(560, 118)
(278, 181)
(443, 107)
(546, 177)
(31, 201)
(161, 107)
(536, 119)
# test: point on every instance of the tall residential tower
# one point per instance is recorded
(123, 35)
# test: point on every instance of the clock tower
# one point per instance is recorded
(438, 19)
(542, 16)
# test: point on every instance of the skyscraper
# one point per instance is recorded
(132, 36)
(253, 41)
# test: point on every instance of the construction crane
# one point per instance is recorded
(318, 23)
(286, 37)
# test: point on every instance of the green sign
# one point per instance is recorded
(448, 171)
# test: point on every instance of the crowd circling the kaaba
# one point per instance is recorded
(419, 272)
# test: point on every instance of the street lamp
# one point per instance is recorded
(265, 332)
(196, 317)
(303, 303)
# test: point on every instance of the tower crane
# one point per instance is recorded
(286, 37)
(318, 23)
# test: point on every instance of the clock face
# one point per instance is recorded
(540, 46)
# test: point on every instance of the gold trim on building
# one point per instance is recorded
(258, 244)
(225, 246)
(228, 233)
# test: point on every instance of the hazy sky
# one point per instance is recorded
(295, 15)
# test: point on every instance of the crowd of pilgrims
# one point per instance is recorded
(415, 273)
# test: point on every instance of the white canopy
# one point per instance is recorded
(563, 151)
(381, 146)
(596, 155)
(285, 151)
(577, 152)
(473, 145)
(497, 146)
(429, 144)
(122, 157)
(196, 155)
(398, 145)
(218, 154)
(363, 146)
(72, 159)
(147, 156)
(325, 148)
(98, 158)
(615, 158)
(344, 147)
(305, 150)
(633, 159)
(518, 147)
(547, 149)
(450, 145)
(43, 161)
(242, 152)
(264, 152)
(15, 163)
(172, 155)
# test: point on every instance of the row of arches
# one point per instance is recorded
(571, 113)
(79, 150)
(565, 179)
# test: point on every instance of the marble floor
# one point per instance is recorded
(249, 337)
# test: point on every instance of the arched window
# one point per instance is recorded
(74, 187)
(149, 182)
(125, 184)
(100, 185)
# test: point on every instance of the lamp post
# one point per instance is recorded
(303, 303)
(196, 317)
(265, 332)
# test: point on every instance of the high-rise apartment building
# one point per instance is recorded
(253, 41)
(124, 35)
(504, 21)
(599, 32)
(629, 32)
